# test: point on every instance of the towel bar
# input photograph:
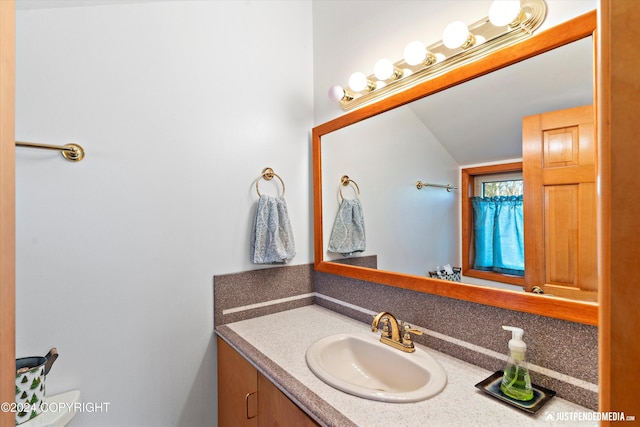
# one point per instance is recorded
(267, 175)
(71, 152)
(449, 187)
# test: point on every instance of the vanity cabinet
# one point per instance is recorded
(248, 398)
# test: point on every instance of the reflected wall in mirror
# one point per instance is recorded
(429, 133)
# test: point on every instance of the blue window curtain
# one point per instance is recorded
(499, 234)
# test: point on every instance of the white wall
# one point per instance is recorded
(179, 105)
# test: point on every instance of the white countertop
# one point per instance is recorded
(284, 337)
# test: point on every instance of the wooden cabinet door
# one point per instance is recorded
(276, 410)
(559, 170)
(248, 398)
(237, 389)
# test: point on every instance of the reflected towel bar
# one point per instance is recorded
(71, 152)
(449, 187)
(345, 181)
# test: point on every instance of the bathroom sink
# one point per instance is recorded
(363, 366)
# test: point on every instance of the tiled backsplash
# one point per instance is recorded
(563, 355)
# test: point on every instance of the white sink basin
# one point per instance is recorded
(363, 366)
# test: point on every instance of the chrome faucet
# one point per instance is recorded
(398, 335)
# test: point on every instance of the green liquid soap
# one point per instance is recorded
(516, 383)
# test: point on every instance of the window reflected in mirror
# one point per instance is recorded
(493, 223)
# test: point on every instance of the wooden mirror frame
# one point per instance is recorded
(575, 311)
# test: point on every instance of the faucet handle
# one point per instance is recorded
(386, 331)
(406, 335)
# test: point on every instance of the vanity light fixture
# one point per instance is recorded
(509, 21)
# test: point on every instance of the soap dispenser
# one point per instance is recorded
(516, 382)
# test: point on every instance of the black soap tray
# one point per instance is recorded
(541, 395)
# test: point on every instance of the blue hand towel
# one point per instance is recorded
(347, 235)
(271, 237)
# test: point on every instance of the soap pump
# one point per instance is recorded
(516, 382)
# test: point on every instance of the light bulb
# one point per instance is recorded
(359, 82)
(385, 70)
(339, 94)
(415, 53)
(456, 35)
(336, 93)
(504, 12)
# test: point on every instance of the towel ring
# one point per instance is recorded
(267, 175)
(345, 181)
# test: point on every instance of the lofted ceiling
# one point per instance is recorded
(480, 121)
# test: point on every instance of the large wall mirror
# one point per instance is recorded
(469, 117)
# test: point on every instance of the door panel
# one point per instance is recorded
(560, 202)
